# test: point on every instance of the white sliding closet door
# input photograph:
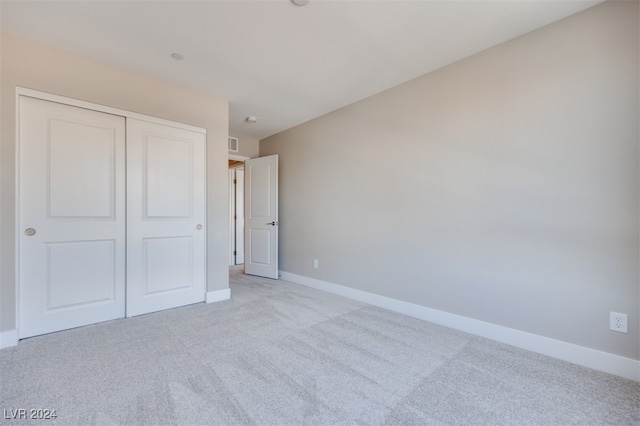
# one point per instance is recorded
(72, 216)
(111, 214)
(165, 217)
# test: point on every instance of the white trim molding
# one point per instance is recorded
(238, 157)
(31, 93)
(8, 338)
(218, 295)
(580, 355)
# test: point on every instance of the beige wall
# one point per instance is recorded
(39, 67)
(503, 187)
(248, 147)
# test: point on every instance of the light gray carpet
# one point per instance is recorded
(282, 354)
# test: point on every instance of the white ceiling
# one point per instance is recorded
(271, 59)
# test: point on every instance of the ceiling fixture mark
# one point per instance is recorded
(177, 56)
(251, 119)
(300, 2)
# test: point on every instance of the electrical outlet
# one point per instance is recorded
(315, 263)
(618, 322)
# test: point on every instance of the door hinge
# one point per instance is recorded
(235, 181)
(235, 253)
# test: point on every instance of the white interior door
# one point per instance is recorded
(165, 217)
(72, 216)
(261, 216)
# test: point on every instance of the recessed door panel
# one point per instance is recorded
(72, 216)
(260, 182)
(260, 240)
(80, 273)
(81, 159)
(168, 177)
(167, 264)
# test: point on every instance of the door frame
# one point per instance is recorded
(31, 93)
(232, 208)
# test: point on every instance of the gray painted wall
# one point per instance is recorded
(503, 187)
(39, 67)
(248, 147)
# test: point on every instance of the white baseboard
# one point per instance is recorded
(8, 338)
(587, 357)
(218, 295)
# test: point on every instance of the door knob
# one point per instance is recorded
(274, 223)
(30, 232)
(198, 227)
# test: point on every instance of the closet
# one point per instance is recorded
(111, 214)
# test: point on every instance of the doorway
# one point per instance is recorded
(236, 210)
(254, 231)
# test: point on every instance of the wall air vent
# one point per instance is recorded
(233, 144)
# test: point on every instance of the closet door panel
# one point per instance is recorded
(165, 217)
(72, 216)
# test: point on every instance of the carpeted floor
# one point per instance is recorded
(281, 354)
